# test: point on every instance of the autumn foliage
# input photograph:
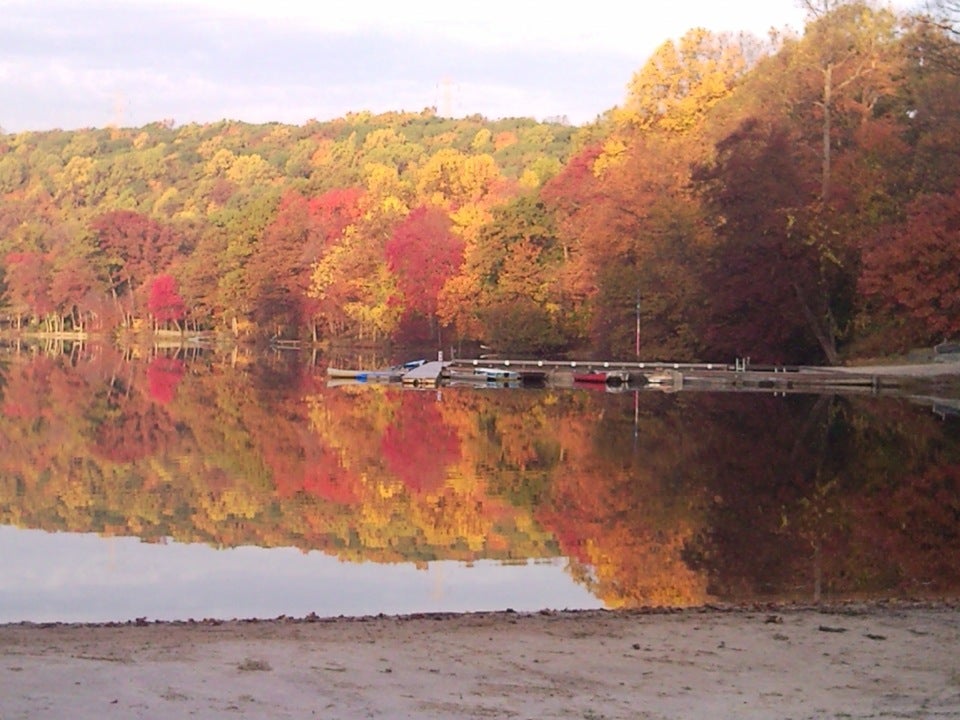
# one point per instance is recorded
(652, 499)
(910, 269)
(165, 303)
(423, 253)
(790, 199)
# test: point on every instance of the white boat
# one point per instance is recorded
(482, 375)
(498, 374)
(665, 379)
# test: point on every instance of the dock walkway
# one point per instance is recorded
(723, 375)
(694, 376)
(425, 375)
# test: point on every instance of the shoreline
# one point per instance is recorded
(828, 607)
(764, 660)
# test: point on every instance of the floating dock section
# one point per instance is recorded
(426, 375)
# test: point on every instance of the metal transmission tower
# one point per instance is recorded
(447, 91)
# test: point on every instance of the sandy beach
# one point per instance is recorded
(851, 661)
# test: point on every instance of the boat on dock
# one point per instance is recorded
(364, 375)
(602, 377)
(482, 375)
(389, 374)
(664, 379)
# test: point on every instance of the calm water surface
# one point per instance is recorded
(174, 489)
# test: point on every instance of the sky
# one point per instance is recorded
(70, 64)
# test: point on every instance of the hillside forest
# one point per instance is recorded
(794, 199)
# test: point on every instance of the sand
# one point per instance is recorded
(852, 661)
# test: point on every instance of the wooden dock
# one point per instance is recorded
(676, 375)
(800, 379)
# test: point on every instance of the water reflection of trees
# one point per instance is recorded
(656, 499)
(816, 497)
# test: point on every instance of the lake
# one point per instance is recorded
(217, 486)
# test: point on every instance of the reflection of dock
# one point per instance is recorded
(944, 408)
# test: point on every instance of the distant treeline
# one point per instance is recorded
(795, 199)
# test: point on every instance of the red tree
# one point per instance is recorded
(28, 281)
(423, 253)
(136, 248)
(913, 268)
(773, 280)
(331, 213)
(165, 303)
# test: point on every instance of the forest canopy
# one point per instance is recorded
(795, 199)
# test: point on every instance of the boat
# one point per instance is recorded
(602, 387)
(385, 375)
(598, 378)
(334, 382)
(661, 377)
(343, 373)
(482, 375)
(667, 380)
(602, 377)
(389, 374)
(498, 374)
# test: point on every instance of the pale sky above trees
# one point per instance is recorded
(69, 64)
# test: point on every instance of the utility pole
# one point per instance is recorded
(638, 325)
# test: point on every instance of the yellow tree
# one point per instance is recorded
(75, 181)
(387, 194)
(354, 288)
(450, 178)
(682, 80)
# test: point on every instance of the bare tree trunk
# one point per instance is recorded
(826, 336)
(827, 129)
